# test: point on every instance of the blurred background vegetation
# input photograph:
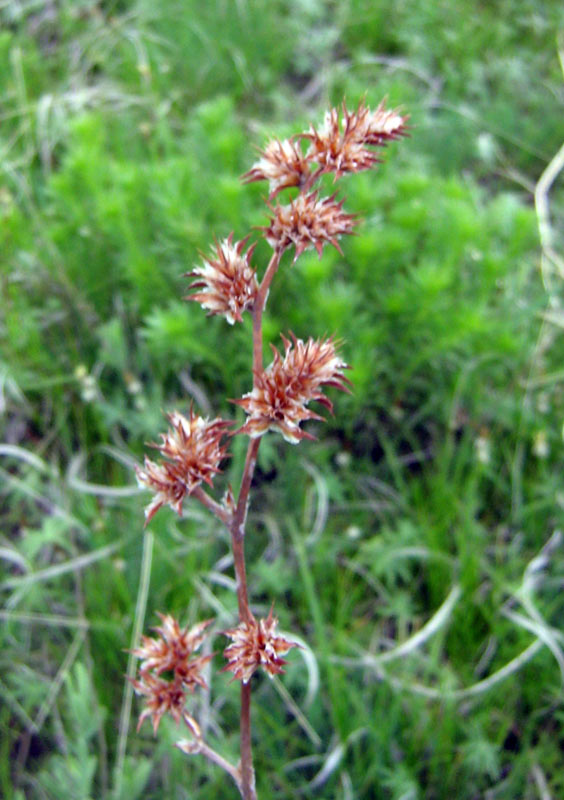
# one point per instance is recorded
(415, 546)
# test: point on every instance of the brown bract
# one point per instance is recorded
(282, 164)
(255, 645)
(308, 222)
(227, 280)
(282, 391)
(172, 651)
(341, 143)
(194, 451)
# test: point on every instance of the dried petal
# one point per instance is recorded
(282, 391)
(193, 448)
(255, 644)
(227, 280)
(308, 222)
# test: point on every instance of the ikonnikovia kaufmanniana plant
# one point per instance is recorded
(228, 284)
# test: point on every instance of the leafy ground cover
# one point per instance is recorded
(415, 546)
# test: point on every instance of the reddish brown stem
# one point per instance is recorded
(237, 530)
(258, 308)
(215, 508)
(248, 789)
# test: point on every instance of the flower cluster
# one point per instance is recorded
(341, 145)
(172, 652)
(194, 451)
(282, 164)
(227, 280)
(308, 222)
(255, 645)
(282, 391)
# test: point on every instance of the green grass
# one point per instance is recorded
(420, 508)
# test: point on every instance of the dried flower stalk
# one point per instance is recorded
(193, 448)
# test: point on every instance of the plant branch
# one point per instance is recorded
(199, 747)
(216, 508)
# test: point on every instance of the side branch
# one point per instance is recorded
(216, 508)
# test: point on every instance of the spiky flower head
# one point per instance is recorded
(282, 164)
(283, 390)
(341, 143)
(193, 448)
(227, 280)
(172, 651)
(163, 697)
(308, 222)
(254, 645)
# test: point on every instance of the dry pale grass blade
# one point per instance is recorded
(13, 482)
(550, 259)
(310, 661)
(33, 460)
(543, 633)
(49, 620)
(437, 621)
(12, 555)
(224, 616)
(54, 571)
(99, 490)
(321, 506)
(545, 636)
(138, 625)
(476, 689)
(17, 709)
(541, 782)
(334, 758)
(59, 679)
(296, 712)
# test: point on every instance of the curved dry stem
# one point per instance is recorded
(199, 747)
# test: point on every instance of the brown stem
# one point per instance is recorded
(215, 508)
(237, 529)
(258, 308)
(248, 789)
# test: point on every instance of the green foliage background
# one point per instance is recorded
(124, 129)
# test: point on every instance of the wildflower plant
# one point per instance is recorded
(227, 283)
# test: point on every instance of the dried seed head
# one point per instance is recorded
(282, 391)
(341, 145)
(193, 448)
(282, 164)
(255, 645)
(163, 697)
(308, 222)
(171, 652)
(227, 280)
